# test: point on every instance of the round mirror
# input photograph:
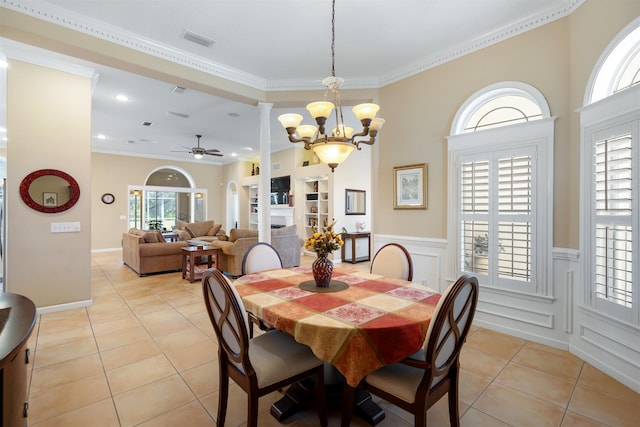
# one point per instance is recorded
(49, 191)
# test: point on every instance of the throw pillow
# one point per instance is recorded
(150, 237)
(199, 228)
(214, 230)
(160, 237)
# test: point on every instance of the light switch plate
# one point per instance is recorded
(65, 227)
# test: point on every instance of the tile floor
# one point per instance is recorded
(144, 354)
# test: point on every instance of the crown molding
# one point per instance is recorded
(526, 24)
(95, 28)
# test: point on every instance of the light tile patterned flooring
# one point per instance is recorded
(144, 354)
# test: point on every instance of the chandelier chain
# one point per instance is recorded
(333, 39)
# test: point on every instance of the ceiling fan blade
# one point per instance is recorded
(215, 150)
(214, 154)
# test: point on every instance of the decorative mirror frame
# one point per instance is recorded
(351, 211)
(28, 200)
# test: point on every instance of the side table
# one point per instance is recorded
(354, 251)
(191, 256)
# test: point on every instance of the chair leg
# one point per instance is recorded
(223, 396)
(321, 401)
(454, 414)
(347, 404)
(252, 410)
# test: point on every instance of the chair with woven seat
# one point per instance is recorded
(260, 256)
(393, 260)
(418, 382)
(260, 365)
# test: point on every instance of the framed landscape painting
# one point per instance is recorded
(410, 187)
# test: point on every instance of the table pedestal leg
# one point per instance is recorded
(301, 396)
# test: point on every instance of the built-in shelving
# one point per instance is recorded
(316, 209)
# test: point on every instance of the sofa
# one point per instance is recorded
(206, 231)
(147, 252)
(285, 240)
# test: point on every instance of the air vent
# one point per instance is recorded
(196, 38)
(178, 89)
(181, 115)
(147, 124)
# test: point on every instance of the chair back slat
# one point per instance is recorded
(228, 317)
(260, 256)
(450, 325)
(393, 260)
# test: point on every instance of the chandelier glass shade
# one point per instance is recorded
(333, 148)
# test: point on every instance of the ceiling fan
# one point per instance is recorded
(199, 152)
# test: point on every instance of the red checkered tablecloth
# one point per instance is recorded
(375, 322)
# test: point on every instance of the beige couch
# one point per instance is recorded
(206, 231)
(285, 240)
(147, 252)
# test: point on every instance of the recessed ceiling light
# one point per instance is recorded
(122, 98)
(248, 148)
(233, 114)
(234, 154)
(101, 136)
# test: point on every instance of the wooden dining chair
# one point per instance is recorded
(260, 256)
(393, 260)
(416, 383)
(260, 365)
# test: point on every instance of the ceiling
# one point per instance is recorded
(268, 45)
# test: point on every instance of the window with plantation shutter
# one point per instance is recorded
(496, 217)
(610, 173)
(501, 218)
(614, 222)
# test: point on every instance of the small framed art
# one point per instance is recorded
(50, 200)
(410, 187)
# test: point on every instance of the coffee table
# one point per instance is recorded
(191, 258)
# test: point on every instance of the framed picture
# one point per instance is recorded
(50, 199)
(410, 187)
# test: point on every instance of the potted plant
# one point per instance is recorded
(154, 224)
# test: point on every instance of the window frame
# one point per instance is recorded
(608, 117)
(538, 136)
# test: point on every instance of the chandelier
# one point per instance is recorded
(333, 148)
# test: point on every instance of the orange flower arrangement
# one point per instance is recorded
(325, 241)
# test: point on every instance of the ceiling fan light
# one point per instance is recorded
(365, 111)
(197, 156)
(320, 109)
(333, 152)
(376, 123)
(306, 131)
(290, 120)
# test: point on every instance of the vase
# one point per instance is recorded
(322, 269)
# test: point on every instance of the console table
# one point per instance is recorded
(17, 318)
(354, 249)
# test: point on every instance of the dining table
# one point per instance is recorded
(359, 323)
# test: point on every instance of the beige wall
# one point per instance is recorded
(49, 127)
(556, 59)
(113, 174)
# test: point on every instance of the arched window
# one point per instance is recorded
(500, 174)
(618, 68)
(169, 195)
(610, 123)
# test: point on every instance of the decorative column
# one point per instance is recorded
(264, 182)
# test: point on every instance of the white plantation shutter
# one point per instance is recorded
(514, 213)
(496, 217)
(613, 229)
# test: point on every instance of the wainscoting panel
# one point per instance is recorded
(428, 256)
